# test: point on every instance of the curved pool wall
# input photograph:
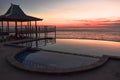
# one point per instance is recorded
(67, 55)
(51, 62)
(53, 59)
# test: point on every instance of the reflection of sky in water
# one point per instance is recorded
(78, 46)
(87, 47)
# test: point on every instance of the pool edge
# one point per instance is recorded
(11, 59)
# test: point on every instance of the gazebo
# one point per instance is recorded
(16, 15)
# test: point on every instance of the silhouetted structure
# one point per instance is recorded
(16, 15)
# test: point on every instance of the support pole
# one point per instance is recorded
(39, 32)
(2, 31)
(16, 30)
(30, 34)
(26, 31)
(36, 34)
(21, 27)
(8, 27)
(30, 30)
(2, 26)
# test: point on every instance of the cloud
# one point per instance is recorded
(97, 22)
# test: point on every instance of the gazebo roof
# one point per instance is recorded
(15, 13)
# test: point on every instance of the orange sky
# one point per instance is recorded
(83, 14)
(72, 13)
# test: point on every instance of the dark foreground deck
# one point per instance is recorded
(110, 71)
(4, 33)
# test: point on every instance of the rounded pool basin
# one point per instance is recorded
(67, 55)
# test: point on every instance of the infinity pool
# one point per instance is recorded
(68, 55)
(53, 59)
(86, 47)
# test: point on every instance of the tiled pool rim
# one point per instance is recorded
(11, 59)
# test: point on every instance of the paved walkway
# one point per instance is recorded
(110, 71)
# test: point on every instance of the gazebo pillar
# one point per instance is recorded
(30, 34)
(21, 27)
(2, 30)
(16, 30)
(2, 26)
(36, 33)
(28, 25)
(8, 27)
(30, 30)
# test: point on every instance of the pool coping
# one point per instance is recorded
(11, 59)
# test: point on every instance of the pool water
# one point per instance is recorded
(52, 59)
(68, 55)
(86, 47)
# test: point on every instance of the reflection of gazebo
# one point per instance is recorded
(16, 15)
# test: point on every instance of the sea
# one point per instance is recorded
(111, 34)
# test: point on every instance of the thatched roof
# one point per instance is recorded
(15, 13)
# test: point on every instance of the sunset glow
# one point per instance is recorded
(72, 13)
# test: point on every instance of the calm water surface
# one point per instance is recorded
(112, 34)
(70, 47)
(52, 59)
(86, 47)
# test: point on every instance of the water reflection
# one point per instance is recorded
(88, 47)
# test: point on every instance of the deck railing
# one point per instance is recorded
(29, 32)
(26, 29)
